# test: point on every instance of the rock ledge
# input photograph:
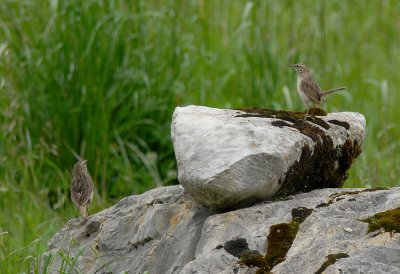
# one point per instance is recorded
(165, 231)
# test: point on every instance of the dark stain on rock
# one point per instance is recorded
(139, 243)
(280, 123)
(325, 204)
(157, 202)
(337, 196)
(92, 228)
(340, 123)
(388, 220)
(300, 214)
(289, 116)
(236, 246)
(323, 166)
(331, 259)
(279, 241)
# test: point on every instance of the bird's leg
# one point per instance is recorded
(85, 215)
(305, 116)
(313, 110)
(84, 211)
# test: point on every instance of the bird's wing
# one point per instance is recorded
(81, 193)
(311, 88)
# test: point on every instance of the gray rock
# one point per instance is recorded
(318, 236)
(230, 158)
(165, 231)
(156, 232)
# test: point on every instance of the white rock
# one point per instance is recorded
(348, 229)
(227, 158)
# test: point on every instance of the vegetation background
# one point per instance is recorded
(100, 79)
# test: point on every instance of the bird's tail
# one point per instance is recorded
(329, 91)
(84, 211)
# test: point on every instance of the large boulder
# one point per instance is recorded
(165, 231)
(231, 158)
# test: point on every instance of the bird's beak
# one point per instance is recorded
(292, 66)
(83, 162)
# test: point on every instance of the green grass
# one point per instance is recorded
(101, 79)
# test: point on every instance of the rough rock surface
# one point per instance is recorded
(157, 232)
(165, 231)
(230, 158)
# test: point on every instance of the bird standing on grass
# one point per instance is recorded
(82, 187)
(309, 91)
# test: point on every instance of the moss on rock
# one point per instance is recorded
(388, 220)
(337, 196)
(331, 259)
(253, 258)
(279, 241)
(289, 116)
(324, 165)
(340, 123)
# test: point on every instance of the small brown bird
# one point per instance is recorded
(81, 187)
(309, 91)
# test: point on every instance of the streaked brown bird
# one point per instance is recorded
(81, 187)
(309, 91)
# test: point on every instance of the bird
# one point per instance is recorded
(309, 91)
(81, 187)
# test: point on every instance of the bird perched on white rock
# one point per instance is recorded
(309, 91)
